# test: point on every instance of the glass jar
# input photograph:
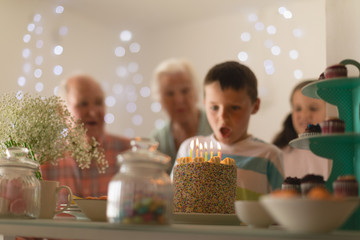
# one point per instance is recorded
(141, 193)
(19, 188)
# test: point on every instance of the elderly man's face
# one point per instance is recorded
(85, 101)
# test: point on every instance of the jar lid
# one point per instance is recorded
(17, 157)
(144, 150)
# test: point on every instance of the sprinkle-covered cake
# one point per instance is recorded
(204, 186)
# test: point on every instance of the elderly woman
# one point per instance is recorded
(175, 87)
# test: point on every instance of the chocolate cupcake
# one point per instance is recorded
(346, 186)
(291, 183)
(309, 181)
(311, 130)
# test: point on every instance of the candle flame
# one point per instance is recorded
(192, 144)
(197, 142)
(201, 147)
(211, 146)
(205, 146)
(218, 146)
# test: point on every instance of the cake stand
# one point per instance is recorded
(343, 148)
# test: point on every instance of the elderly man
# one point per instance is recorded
(85, 101)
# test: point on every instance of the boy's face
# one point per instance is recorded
(228, 112)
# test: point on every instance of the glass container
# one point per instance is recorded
(141, 192)
(19, 188)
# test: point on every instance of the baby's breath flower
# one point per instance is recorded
(45, 124)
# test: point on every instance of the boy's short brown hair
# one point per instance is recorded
(232, 74)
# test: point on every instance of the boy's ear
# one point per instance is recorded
(256, 106)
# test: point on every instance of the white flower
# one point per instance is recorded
(46, 125)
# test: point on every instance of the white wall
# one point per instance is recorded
(89, 46)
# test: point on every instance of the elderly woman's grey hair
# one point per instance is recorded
(171, 66)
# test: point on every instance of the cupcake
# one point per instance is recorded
(291, 183)
(309, 181)
(346, 186)
(333, 125)
(311, 130)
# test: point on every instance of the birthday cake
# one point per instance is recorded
(204, 186)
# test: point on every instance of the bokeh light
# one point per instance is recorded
(294, 54)
(63, 30)
(110, 101)
(298, 74)
(135, 47)
(259, 26)
(125, 36)
(39, 60)
(145, 92)
(243, 56)
(21, 81)
(27, 38)
(275, 50)
(137, 120)
(109, 118)
(58, 50)
(120, 51)
(39, 87)
(59, 9)
(252, 17)
(245, 36)
(58, 70)
(155, 107)
(271, 30)
(38, 73)
(131, 107)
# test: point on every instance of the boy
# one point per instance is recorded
(230, 99)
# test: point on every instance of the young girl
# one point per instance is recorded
(305, 110)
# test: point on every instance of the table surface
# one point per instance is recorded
(74, 229)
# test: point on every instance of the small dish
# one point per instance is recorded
(306, 215)
(94, 209)
(253, 214)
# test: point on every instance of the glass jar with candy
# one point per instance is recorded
(141, 192)
(19, 187)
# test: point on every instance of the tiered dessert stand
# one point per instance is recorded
(343, 148)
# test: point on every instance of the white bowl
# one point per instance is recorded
(253, 214)
(309, 215)
(94, 209)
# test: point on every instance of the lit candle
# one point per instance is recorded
(197, 147)
(205, 148)
(219, 150)
(211, 149)
(201, 150)
(191, 148)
